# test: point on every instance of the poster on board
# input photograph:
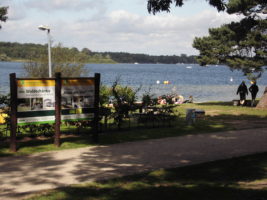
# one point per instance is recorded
(36, 101)
(77, 99)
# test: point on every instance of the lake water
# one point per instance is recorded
(212, 83)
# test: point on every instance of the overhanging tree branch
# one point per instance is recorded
(3, 14)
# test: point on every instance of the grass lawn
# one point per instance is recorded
(220, 116)
(242, 178)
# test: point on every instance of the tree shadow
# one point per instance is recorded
(241, 121)
(43, 144)
(127, 158)
(79, 139)
(23, 174)
(214, 180)
(226, 103)
(28, 173)
(208, 124)
(217, 103)
(202, 192)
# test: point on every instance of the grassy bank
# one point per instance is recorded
(242, 178)
(220, 116)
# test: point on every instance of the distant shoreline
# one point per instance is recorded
(25, 61)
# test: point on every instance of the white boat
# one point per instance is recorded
(189, 67)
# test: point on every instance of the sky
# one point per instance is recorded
(111, 25)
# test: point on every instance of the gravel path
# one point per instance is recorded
(20, 175)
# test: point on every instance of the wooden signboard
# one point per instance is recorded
(53, 100)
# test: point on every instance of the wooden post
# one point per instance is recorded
(13, 113)
(57, 109)
(96, 106)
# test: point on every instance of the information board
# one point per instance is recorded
(36, 101)
(77, 99)
(53, 100)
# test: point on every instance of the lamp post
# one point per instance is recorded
(46, 28)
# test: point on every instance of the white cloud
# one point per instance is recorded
(55, 5)
(119, 30)
(124, 31)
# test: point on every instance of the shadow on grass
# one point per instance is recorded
(34, 145)
(216, 123)
(233, 117)
(219, 103)
(203, 192)
(178, 128)
(215, 180)
(224, 103)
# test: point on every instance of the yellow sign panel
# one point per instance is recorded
(78, 82)
(2, 118)
(36, 83)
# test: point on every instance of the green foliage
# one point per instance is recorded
(241, 45)
(4, 57)
(22, 51)
(3, 14)
(254, 76)
(155, 6)
(246, 7)
(34, 130)
(86, 51)
(124, 98)
(123, 94)
(5, 100)
(17, 51)
(220, 116)
(147, 99)
(29, 51)
(4, 111)
(63, 61)
(122, 57)
(105, 95)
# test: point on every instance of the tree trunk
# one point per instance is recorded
(263, 101)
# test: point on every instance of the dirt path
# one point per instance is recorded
(21, 175)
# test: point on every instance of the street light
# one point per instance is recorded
(46, 28)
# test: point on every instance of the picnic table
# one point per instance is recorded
(161, 109)
(156, 115)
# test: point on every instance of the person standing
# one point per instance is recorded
(253, 90)
(242, 91)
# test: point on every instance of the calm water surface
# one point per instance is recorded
(212, 83)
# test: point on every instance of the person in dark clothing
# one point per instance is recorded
(253, 90)
(242, 91)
